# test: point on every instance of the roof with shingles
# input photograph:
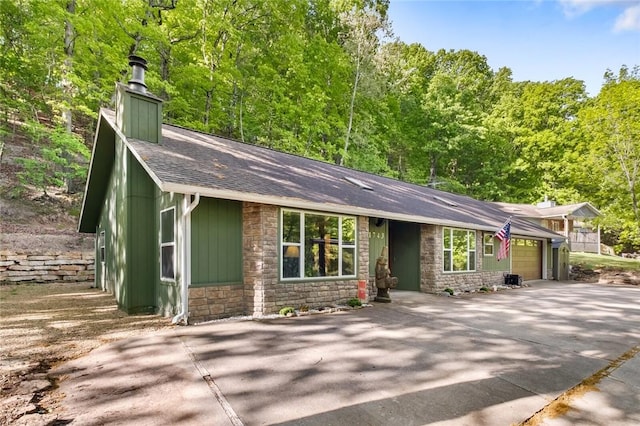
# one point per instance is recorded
(578, 210)
(188, 161)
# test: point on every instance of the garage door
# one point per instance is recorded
(527, 258)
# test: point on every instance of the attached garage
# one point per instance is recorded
(527, 258)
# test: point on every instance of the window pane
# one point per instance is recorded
(331, 260)
(166, 225)
(290, 227)
(460, 250)
(311, 245)
(488, 245)
(321, 245)
(348, 261)
(472, 260)
(290, 261)
(472, 240)
(447, 260)
(167, 262)
(348, 231)
(446, 238)
(101, 240)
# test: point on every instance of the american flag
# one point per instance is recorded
(504, 235)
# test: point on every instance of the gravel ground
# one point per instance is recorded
(43, 325)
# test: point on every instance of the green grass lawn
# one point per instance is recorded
(597, 261)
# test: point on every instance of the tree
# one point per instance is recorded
(611, 124)
(61, 158)
(362, 27)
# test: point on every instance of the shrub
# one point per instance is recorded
(353, 302)
(449, 290)
(286, 311)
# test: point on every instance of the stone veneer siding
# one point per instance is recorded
(317, 294)
(263, 292)
(214, 302)
(260, 257)
(434, 280)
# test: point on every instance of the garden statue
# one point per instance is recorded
(384, 280)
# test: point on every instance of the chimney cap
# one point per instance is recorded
(138, 67)
(137, 60)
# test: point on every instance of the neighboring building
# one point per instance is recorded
(574, 221)
(202, 227)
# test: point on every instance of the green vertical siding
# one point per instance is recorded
(489, 262)
(139, 116)
(145, 126)
(140, 238)
(127, 217)
(110, 277)
(378, 238)
(216, 242)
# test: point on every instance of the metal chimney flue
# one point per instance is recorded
(138, 67)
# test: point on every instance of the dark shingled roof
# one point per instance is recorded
(187, 161)
(579, 210)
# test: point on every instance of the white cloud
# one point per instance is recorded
(629, 20)
(573, 8)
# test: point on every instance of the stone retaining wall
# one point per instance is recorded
(20, 267)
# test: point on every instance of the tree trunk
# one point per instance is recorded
(433, 169)
(207, 109)
(69, 37)
(351, 106)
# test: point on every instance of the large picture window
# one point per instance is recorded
(317, 245)
(167, 244)
(459, 250)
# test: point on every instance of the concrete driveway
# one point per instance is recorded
(482, 359)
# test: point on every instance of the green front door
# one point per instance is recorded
(404, 254)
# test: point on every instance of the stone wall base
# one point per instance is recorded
(215, 302)
(472, 281)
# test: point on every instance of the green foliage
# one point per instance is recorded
(449, 290)
(287, 310)
(61, 156)
(597, 261)
(353, 302)
(610, 128)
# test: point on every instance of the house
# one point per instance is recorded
(199, 227)
(574, 221)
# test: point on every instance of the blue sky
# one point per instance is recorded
(539, 40)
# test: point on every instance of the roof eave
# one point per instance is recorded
(297, 203)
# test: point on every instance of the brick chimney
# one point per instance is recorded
(138, 113)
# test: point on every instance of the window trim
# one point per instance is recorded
(450, 250)
(301, 247)
(102, 252)
(169, 244)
